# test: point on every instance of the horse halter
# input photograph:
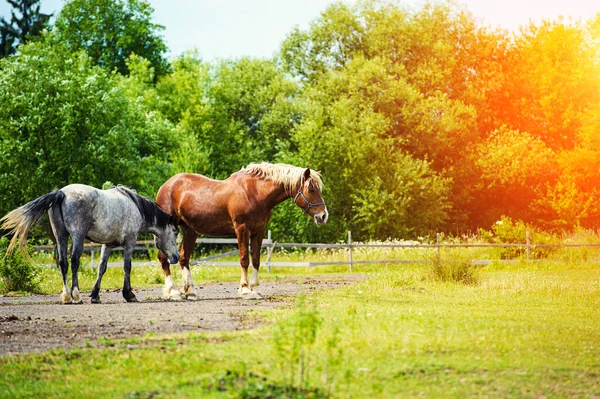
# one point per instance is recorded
(308, 203)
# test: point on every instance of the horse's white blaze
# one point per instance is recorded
(321, 218)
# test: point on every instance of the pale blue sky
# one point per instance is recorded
(235, 28)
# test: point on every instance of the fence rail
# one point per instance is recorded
(270, 245)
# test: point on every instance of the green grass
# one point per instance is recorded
(525, 330)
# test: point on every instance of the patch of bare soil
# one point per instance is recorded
(40, 322)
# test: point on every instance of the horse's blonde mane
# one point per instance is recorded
(288, 175)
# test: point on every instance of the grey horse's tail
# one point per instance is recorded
(19, 221)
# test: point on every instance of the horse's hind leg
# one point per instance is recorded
(243, 236)
(255, 246)
(95, 297)
(64, 269)
(75, 258)
(127, 253)
(62, 239)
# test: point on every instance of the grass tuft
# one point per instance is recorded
(454, 268)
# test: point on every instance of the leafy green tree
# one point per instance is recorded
(231, 113)
(516, 170)
(329, 44)
(551, 83)
(574, 201)
(552, 93)
(410, 69)
(72, 122)
(373, 186)
(27, 21)
(109, 31)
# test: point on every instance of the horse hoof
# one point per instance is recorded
(95, 300)
(132, 299)
(250, 295)
(77, 301)
(174, 295)
(192, 297)
(65, 298)
(75, 296)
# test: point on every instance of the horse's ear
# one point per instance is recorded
(307, 174)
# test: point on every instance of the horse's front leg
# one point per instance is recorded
(255, 246)
(104, 255)
(185, 252)
(169, 291)
(127, 252)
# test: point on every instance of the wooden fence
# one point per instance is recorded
(271, 245)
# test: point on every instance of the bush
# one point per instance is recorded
(16, 273)
(507, 231)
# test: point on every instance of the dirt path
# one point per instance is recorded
(40, 322)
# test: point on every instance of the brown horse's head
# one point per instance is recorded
(309, 199)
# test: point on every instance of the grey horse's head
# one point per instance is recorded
(165, 239)
(160, 223)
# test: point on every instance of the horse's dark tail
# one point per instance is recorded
(19, 221)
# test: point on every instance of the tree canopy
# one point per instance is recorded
(72, 122)
(109, 31)
(419, 120)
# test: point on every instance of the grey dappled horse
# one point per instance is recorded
(112, 217)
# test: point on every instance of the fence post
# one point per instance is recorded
(270, 249)
(439, 249)
(350, 248)
(528, 244)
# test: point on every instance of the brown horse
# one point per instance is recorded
(239, 206)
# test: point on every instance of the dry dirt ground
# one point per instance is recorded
(40, 322)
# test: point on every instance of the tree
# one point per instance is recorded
(373, 186)
(412, 70)
(29, 23)
(109, 31)
(551, 82)
(329, 44)
(73, 122)
(516, 171)
(232, 112)
(574, 200)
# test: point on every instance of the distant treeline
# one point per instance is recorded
(420, 120)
